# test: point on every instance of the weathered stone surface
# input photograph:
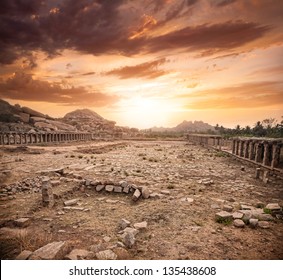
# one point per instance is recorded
(187, 199)
(142, 225)
(136, 195)
(24, 117)
(263, 224)
(126, 189)
(22, 222)
(24, 255)
(131, 230)
(273, 206)
(51, 251)
(165, 192)
(122, 253)
(223, 215)
(228, 208)
(79, 254)
(253, 223)
(55, 183)
(124, 223)
(99, 188)
(106, 255)
(246, 207)
(238, 215)
(239, 223)
(123, 184)
(263, 217)
(71, 202)
(109, 188)
(117, 189)
(155, 195)
(73, 208)
(145, 192)
(128, 238)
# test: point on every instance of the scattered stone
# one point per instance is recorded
(253, 223)
(131, 230)
(123, 184)
(106, 255)
(238, 215)
(136, 195)
(263, 224)
(239, 223)
(128, 238)
(155, 195)
(109, 188)
(145, 192)
(111, 201)
(99, 188)
(215, 206)
(187, 199)
(24, 255)
(47, 193)
(51, 251)
(79, 254)
(228, 208)
(22, 222)
(273, 206)
(117, 189)
(122, 253)
(73, 208)
(165, 192)
(106, 238)
(71, 202)
(142, 225)
(124, 223)
(246, 207)
(223, 215)
(263, 217)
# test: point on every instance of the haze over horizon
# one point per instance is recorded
(145, 63)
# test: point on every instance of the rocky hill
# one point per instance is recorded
(186, 126)
(24, 119)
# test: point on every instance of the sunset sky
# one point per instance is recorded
(145, 63)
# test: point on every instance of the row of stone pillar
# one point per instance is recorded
(34, 138)
(266, 152)
(207, 140)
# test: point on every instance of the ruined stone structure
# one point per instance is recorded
(264, 152)
(16, 138)
(47, 193)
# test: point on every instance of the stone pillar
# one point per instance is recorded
(246, 149)
(47, 193)
(276, 149)
(266, 154)
(237, 148)
(258, 152)
(241, 153)
(257, 173)
(233, 146)
(251, 150)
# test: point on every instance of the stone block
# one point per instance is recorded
(117, 189)
(238, 215)
(273, 206)
(223, 216)
(109, 188)
(99, 188)
(22, 222)
(71, 202)
(253, 222)
(139, 226)
(79, 254)
(145, 192)
(126, 189)
(24, 255)
(239, 223)
(263, 224)
(136, 195)
(51, 251)
(106, 255)
(124, 223)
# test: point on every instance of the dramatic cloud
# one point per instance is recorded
(22, 86)
(108, 27)
(250, 95)
(215, 37)
(148, 70)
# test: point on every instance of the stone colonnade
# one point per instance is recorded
(266, 152)
(17, 138)
(215, 141)
(262, 151)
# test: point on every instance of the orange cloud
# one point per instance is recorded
(22, 86)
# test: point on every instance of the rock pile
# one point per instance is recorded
(252, 216)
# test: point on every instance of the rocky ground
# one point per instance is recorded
(136, 200)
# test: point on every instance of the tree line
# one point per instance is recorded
(266, 128)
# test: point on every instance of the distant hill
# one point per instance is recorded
(186, 126)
